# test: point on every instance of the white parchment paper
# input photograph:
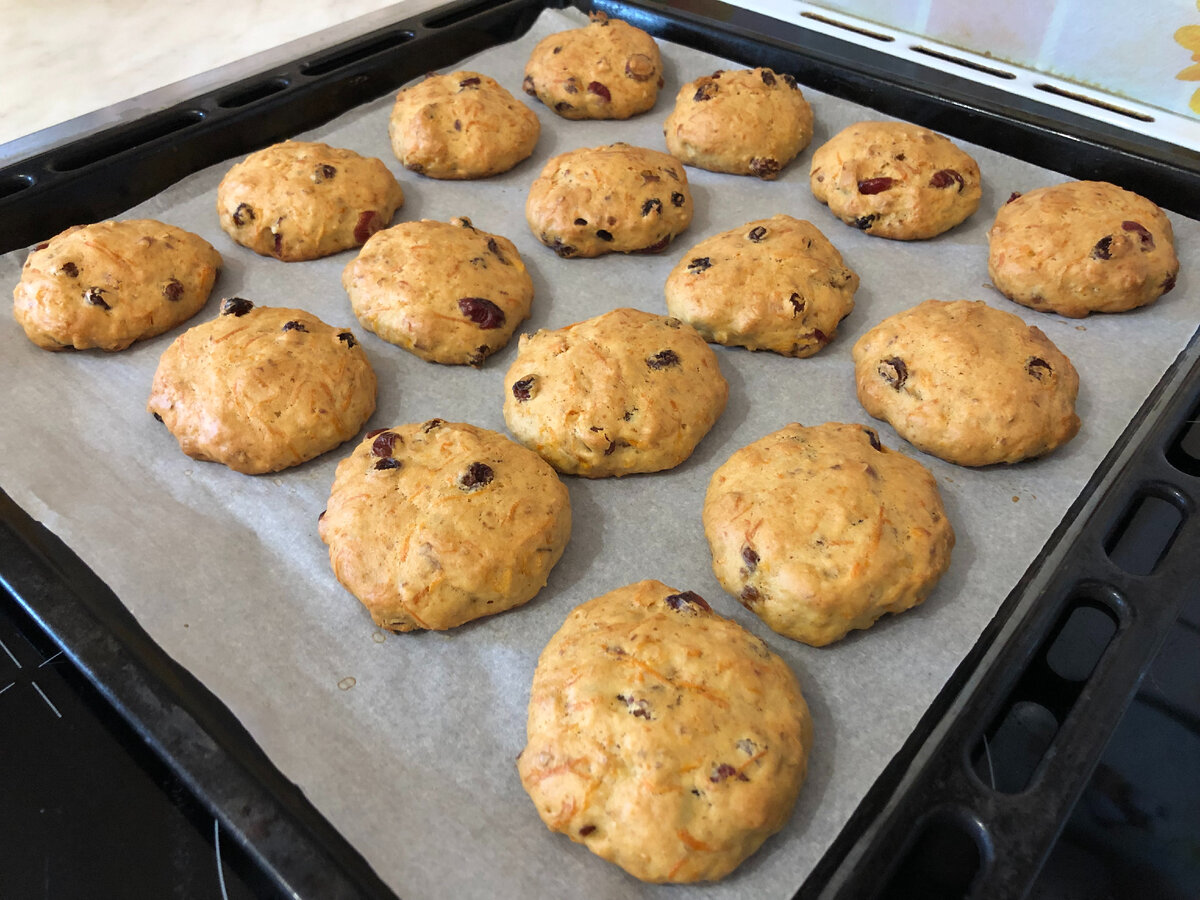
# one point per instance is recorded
(407, 742)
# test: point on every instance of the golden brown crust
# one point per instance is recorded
(623, 392)
(261, 389)
(968, 383)
(112, 283)
(461, 125)
(1082, 247)
(301, 200)
(663, 737)
(773, 284)
(747, 122)
(447, 292)
(434, 524)
(822, 530)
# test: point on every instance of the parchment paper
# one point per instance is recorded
(407, 742)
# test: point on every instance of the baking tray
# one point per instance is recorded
(1135, 514)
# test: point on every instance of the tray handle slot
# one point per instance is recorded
(331, 63)
(461, 14)
(1184, 450)
(846, 26)
(942, 860)
(1146, 530)
(12, 184)
(253, 93)
(122, 139)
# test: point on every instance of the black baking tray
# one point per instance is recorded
(973, 801)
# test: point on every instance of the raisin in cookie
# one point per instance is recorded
(775, 284)
(435, 524)
(447, 292)
(261, 389)
(663, 737)
(895, 180)
(1082, 247)
(968, 383)
(624, 392)
(749, 122)
(112, 283)
(298, 200)
(605, 70)
(619, 198)
(461, 125)
(822, 530)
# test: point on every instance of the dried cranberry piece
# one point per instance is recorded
(750, 558)
(415, 167)
(1015, 195)
(1103, 248)
(699, 264)
(768, 77)
(323, 172)
(494, 248)
(595, 87)
(657, 247)
(797, 304)
(706, 91)
(571, 87)
(293, 325)
(1168, 283)
(69, 269)
(527, 84)
(764, 167)
(865, 222)
(586, 829)
(93, 296)
(375, 432)
(677, 199)
(757, 234)
(873, 438)
(749, 596)
(1141, 231)
(943, 178)
(388, 463)
(463, 222)
(686, 600)
(42, 246)
(348, 339)
(790, 81)
(278, 243)
(563, 106)
(652, 205)
(717, 74)
(1037, 367)
(557, 50)
(432, 424)
(648, 177)
(603, 234)
(366, 226)
(384, 444)
(523, 389)
(173, 290)
(723, 771)
(639, 709)
(157, 416)
(663, 359)
(563, 250)
(468, 82)
(458, 124)
(243, 214)
(236, 306)
(484, 313)
(639, 67)
(893, 371)
(876, 185)
(477, 475)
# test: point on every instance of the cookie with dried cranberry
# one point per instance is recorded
(895, 180)
(447, 292)
(300, 200)
(747, 122)
(968, 383)
(435, 524)
(774, 284)
(614, 199)
(607, 69)
(822, 530)
(624, 392)
(261, 389)
(109, 284)
(461, 125)
(1082, 247)
(663, 737)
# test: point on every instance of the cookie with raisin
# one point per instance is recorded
(607, 69)
(109, 284)
(1082, 247)
(663, 737)
(822, 530)
(895, 180)
(302, 200)
(460, 126)
(624, 392)
(447, 292)
(774, 284)
(745, 122)
(968, 383)
(435, 524)
(614, 199)
(261, 389)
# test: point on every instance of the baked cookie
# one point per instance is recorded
(461, 125)
(624, 392)
(822, 530)
(447, 292)
(112, 283)
(618, 198)
(895, 180)
(435, 524)
(299, 200)
(775, 284)
(261, 389)
(1082, 247)
(606, 70)
(968, 383)
(747, 122)
(663, 737)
